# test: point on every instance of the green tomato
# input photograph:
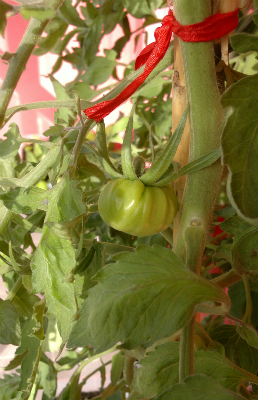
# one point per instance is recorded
(131, 207)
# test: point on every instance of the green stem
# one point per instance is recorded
(206, 121)
(249, 306)
(14, 289)
(87, 126)
(226, 279)
(186, 350)
(168, 235)
(19, 60)
(129, 369)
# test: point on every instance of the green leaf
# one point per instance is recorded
(9, 387)
(160, 370)
(4, 8)
(194, 166)
(160, 165)
(55, 130)
(249, 334)
(99, 70)
(92, 39)
(24, 200)
(24, 302)
(199, 387)
(235, 225)
(129, 296)
(55, 30)
(52, 262)
(47, 378)
(239, 147)
(237, 350)
(10, 146)
(85, 91)
(151, 90)
(63, 115)
(10, 330)
(245, 253)
(244, 42)
(126, 153)
(84, 279)
(30, 349)
(55, 258)
(69, 14)
(37, 11)
(138, 9)
(118, 361)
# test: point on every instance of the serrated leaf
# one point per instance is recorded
(244, 42)
(10, 329)
(70, 15)
(235, 225)
(199, 387)
(47, 378)
(55, 258)
(160, 370)
(237, 350)
(150, 284)
(30, 348)
(24, 302)
(9, 387)
(92, 39)
(137, 9)
(52, 262)
(24, 200)
(10, 146)
(239, 147)
(99, 71)
(55, 130)
(249, 334)
(245, 253)
(83, 280)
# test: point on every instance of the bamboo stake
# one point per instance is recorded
(225, 6)
(179, 102)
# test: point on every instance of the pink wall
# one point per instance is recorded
(35, 86)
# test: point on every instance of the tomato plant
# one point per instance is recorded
(143, 277)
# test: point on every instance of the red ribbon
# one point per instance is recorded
(213, 27)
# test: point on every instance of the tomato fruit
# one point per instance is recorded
(131, 207)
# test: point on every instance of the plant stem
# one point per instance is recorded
(226, 279)
(186, 350)
(206, 121)
(78, 145)
(168, 235)
(129, 369)
(248, 311)
(14, 289)
(19, 60)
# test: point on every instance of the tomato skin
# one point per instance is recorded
(136, 209)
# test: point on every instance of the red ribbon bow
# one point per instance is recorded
(213, 27)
